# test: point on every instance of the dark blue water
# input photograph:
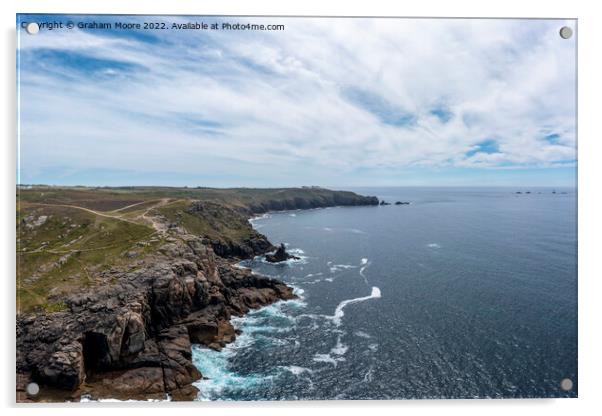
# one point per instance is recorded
(464, 293)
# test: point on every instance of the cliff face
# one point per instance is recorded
(115, 299)
(227, 230)
(321, 200)
(133, 339)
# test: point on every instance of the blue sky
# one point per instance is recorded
(331, 102)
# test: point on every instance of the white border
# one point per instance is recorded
(590, 152)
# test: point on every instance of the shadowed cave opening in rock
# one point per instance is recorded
(96, 351)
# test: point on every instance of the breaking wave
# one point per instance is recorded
(338, 267)
(365, 265)
(340, 310)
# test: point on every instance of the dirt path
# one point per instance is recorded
(144, 217)
(159, 226)
(130, 206)
(91, 211)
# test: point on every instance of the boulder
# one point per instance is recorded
(280, 255)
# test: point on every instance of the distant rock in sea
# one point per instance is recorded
(280, 255)
(402, 203)
(383, 202)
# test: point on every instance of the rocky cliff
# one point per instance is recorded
(132, 339)
(125, 330)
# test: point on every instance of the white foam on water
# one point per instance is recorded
(339, 311)
(257, 324)
(365, 265)
(433, 245)
(275, 341)
(339, 348)
(362, 334)
(253, 221)
(369, 375)
(297, 252)
(337, 267)
(363, 275)
(327, 229)
(296, 370)
(316, 279)
(313, 316)
(265, 328)
(296, 304)
(326, 358)
(373, 347)
(217, 376)
(87, 399)
(329, 279)
(259, 217)
(275, 310)
(292, 215)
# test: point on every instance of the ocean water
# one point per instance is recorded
(464, 293)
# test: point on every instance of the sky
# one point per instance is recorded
(326, 101)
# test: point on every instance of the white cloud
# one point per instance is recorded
(258, 104)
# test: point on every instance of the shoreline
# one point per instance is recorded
(243, 340)
(131, 338)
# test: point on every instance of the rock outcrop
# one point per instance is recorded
(328, 199)
(249, 247)
(280, 255)
(132, 339)
(129, 335)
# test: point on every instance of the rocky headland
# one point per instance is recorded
(127, 331)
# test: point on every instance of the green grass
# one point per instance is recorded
(69, 250)
(61, 254)
(214, 221)
(109, 199)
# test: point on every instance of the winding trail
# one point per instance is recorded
(130, 206)
(159, 226)
(91, 211)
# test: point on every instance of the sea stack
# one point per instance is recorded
(280, 255)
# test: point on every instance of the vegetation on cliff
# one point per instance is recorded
(115, 284)
(66, 236)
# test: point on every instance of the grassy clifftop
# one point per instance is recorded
(252, 200)
(70, 238)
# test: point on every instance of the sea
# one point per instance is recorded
(462, 293)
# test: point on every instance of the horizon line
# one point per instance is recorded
(292, 186)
